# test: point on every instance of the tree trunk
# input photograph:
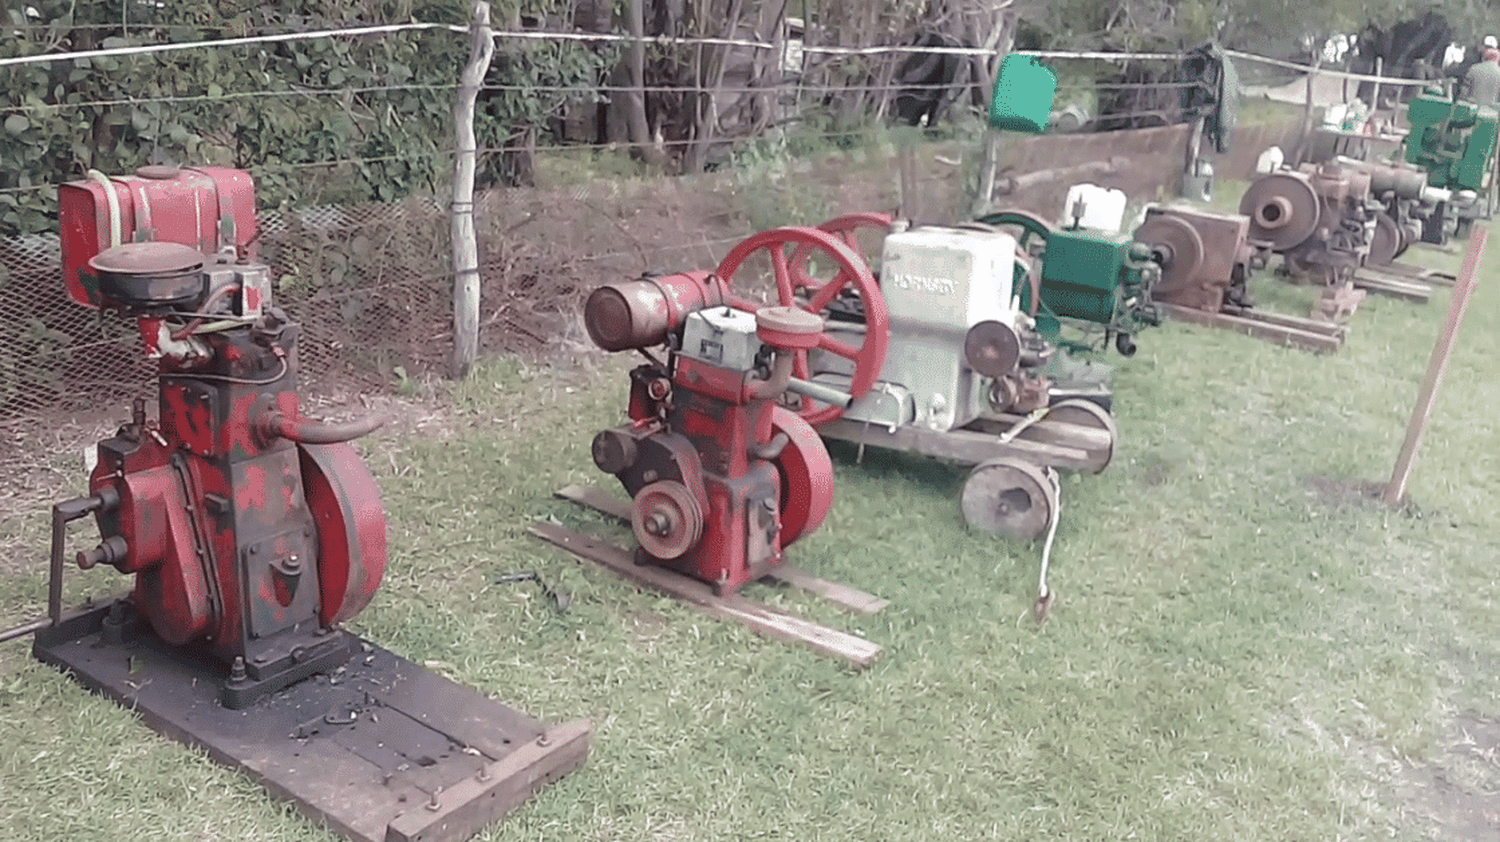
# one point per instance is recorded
(708, 73)
(635, 98)
(1005, 37)
(465, 245)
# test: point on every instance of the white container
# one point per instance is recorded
(1103, 207)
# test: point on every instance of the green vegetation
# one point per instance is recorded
(1246, 646)
(330, 120)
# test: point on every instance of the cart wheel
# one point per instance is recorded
(1010, 497)
(1086, 413)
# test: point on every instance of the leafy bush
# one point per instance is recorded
(342, 119)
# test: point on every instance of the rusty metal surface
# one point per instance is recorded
(380, 749)
(1284, 209)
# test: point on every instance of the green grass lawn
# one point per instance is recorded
(1245, 646)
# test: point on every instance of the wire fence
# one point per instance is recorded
(372, 283)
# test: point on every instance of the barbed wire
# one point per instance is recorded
(605, 37)
(786, 86)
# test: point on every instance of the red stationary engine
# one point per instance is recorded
(251, 531)
(722, 478)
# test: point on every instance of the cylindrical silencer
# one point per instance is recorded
(638, 314)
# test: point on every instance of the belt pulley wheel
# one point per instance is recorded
(1177, 246)
(992, 348)
(346, 508)
(1031, 232)
(666, 519)
(1086, 413)
(806, 476)
(850, 273)
(1386, 242)
(1283, 208)
(1011, 497)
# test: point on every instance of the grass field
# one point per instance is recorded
(1245, 644)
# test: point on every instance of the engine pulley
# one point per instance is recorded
(1283, 208)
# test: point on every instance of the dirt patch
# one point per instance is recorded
(1338, 492)
(1457, 795)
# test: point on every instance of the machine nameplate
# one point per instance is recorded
(924, 283)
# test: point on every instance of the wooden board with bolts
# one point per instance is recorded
(380, 749)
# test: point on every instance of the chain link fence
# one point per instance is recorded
(372, 284)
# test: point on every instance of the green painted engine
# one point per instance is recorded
(1453, 141)
(1088, 278)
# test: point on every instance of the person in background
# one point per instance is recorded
(1481, 84)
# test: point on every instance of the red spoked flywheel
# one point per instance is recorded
(851, 273)
(847, 228)
(806, 476)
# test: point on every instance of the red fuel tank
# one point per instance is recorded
(207, 208)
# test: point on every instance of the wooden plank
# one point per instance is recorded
(1284, 334)
(356, 776)
(1411, 291)
(964, 446)
(758, 618)
(839, 594)
(1061, 433)
(465, 808)
(597, 499)
(843, 595)
(1463, 290)
(1314, 326)
(1411, 271)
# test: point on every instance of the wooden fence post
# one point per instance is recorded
(1395, 491)
(465, 245)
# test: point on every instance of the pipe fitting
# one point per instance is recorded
(273, 424)
(770, 387)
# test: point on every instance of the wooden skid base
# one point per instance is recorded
(1393, 287)
(970, 447)
(844, 596)
(379, 750)
(754, 616)
(1413, 272)
(1293, 331)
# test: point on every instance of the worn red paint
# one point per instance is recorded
(698, 427)
(238, 538)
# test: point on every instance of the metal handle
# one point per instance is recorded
(62, 513)
(819, 392)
